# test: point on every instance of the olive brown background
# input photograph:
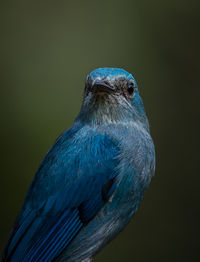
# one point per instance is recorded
(46, 50)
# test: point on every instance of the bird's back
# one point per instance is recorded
(73, 182)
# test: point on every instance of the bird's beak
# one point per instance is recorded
(100, 85)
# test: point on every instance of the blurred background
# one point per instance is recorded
(46, 50)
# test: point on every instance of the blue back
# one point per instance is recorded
(73, 182)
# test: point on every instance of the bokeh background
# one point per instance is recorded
(46, 50)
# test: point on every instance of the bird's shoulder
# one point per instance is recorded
(81, 158)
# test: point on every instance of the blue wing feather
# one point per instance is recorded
(68, 191)
(66, 226)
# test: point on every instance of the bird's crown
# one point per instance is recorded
(109, 72)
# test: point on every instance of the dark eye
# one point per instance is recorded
(131, 89)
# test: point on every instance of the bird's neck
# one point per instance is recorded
(108, 111)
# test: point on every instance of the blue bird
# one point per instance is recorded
(93, 178)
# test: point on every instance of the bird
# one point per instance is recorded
(92, 180)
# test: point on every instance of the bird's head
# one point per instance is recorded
(111, 95)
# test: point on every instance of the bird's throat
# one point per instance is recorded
(104, 108)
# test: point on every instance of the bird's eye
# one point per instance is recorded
(131, 89)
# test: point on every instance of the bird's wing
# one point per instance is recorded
(74, 181)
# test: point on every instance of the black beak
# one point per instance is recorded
(100, 85)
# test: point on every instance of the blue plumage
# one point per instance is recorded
(92, 180)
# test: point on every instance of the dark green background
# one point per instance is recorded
(46, 50)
